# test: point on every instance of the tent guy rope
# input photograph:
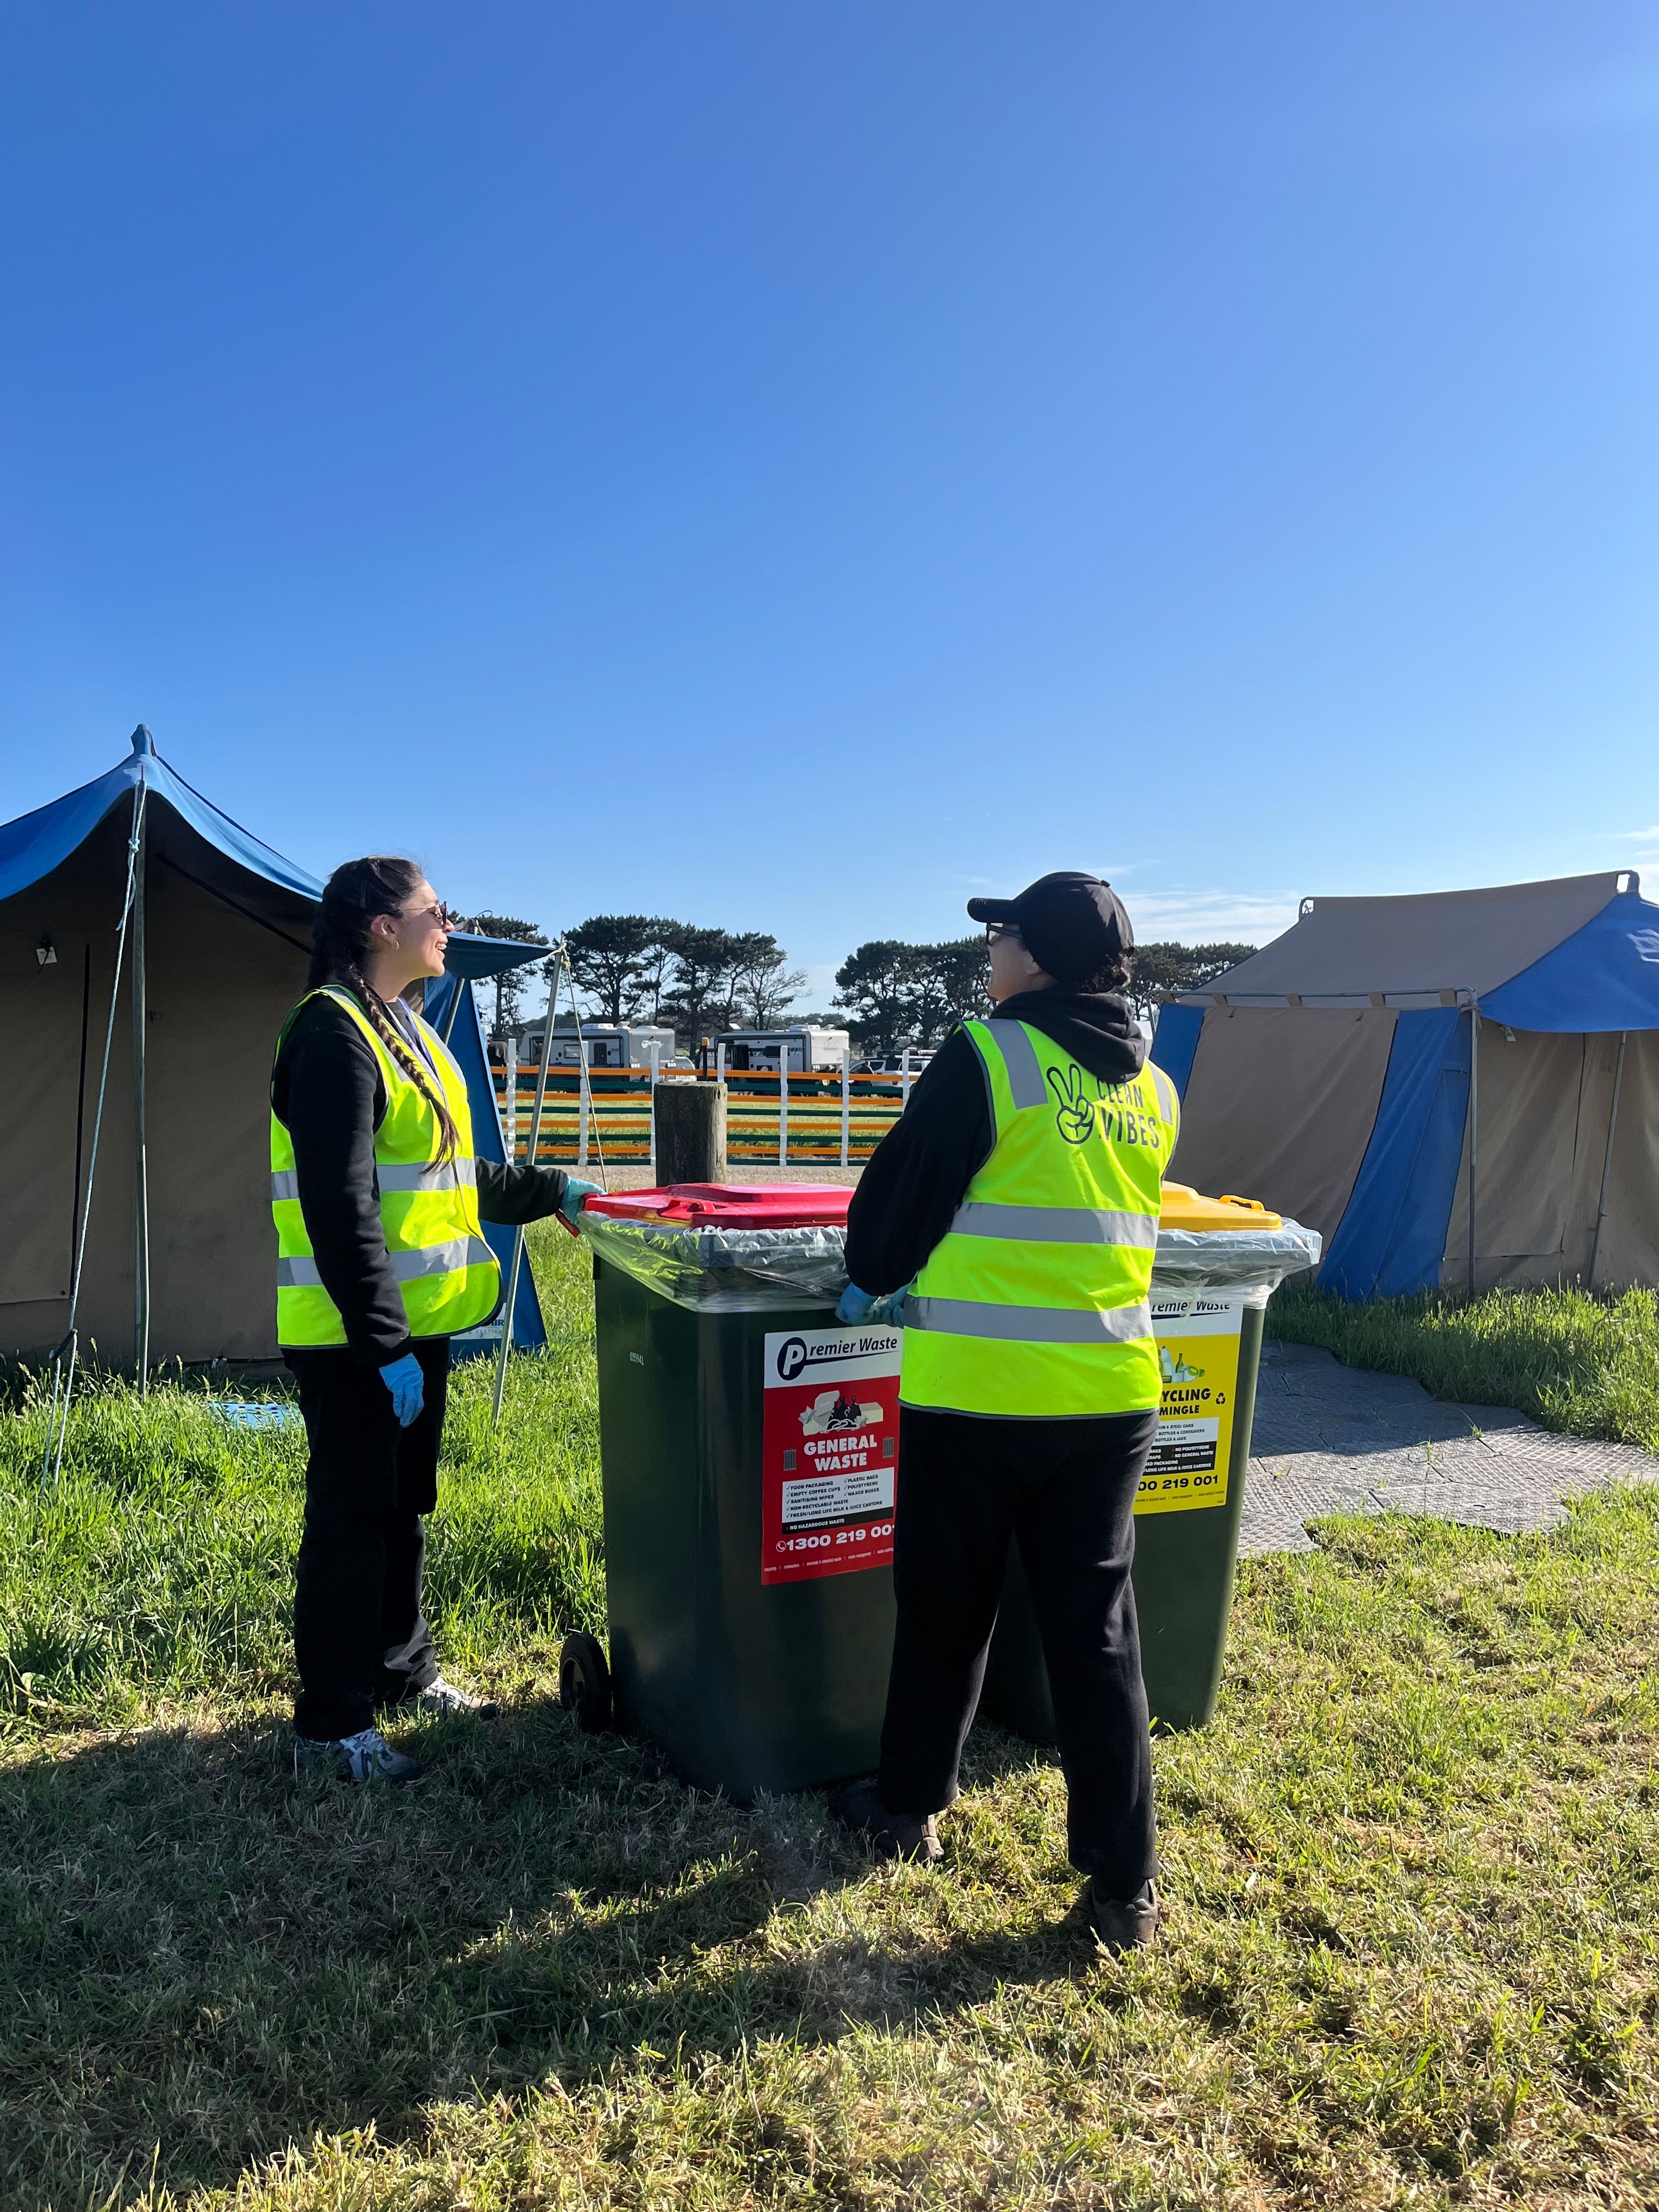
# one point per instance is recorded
(559, 962)
(510, 1307)
(63, 1377)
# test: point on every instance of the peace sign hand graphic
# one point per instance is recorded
(1076, 1117)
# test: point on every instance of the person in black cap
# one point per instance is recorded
(1009, 1220)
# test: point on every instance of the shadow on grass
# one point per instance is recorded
(204, 1958)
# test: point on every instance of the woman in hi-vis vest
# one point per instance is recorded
(378, 1197)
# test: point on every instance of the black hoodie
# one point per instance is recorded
(908, 1193)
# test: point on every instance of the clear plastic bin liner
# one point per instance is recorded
(735, 1270)
(1239, 1263)
(741, 1270)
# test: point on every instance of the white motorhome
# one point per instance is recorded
(801, 1049)
(605, 1045)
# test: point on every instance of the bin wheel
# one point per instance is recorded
(585, 1683)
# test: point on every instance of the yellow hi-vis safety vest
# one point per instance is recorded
(429, 1214)
(1034, 1304)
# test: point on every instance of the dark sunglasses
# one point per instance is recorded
(996, 929)
(445, 916)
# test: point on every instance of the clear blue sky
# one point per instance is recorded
(794, 465)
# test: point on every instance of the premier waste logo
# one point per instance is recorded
(836, 1348)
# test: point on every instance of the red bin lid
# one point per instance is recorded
(731, 1205)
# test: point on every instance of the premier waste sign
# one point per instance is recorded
(1198, 1341)
(829, 1452)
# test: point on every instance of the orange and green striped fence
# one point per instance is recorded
(831, 1119)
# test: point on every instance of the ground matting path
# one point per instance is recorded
(1334, 1439)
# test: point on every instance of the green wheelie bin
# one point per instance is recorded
(1217, 1261)
(750, 1447)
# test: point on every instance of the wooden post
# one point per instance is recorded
(688, 1125)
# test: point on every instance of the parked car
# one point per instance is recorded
(894, 1063)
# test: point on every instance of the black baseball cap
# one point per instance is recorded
(1072, 924)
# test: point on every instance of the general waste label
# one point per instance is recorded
(1198, 1350)
(828, 1451)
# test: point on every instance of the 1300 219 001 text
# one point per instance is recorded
(830, 1537)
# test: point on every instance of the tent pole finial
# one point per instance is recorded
(142, 740)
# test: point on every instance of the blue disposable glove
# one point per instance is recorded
(404, 1378)
(892, 1309)
(855, 1305)
(576, 1194)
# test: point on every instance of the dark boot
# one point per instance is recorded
(1124, 1924)
(889, 1835)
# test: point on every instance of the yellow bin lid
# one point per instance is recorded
(1183, 1208)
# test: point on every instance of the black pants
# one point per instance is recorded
(1066, 1489)
(360, 1638)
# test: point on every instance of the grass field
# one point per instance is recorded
(1412, 1868)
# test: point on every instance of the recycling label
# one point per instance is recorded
(1197, 1343)
(828, 1451)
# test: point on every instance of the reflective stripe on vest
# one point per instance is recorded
(1034, 1304)
(446, 1273)
(1052, 1224)
(1013, 1041)
(428, 1260)
(452, 1177)
(1032, 1324)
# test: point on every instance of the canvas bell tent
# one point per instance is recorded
(1363, 1068)
(212, 930)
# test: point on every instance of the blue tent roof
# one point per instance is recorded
(1604, 976)
(35, 844)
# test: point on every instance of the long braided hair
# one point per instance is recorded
(353, 895)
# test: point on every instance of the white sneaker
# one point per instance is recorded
(441, 1701)
(364, 1757)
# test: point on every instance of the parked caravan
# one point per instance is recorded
(801, 1049)
(606, 1045)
